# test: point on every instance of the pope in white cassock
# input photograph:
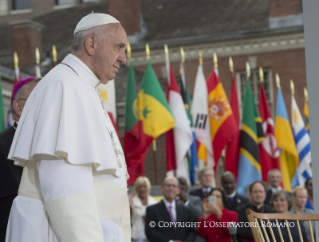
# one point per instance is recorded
(73, 186)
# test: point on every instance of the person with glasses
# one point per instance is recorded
(205, 177)
(213, 224)
(158, 217)
(10, 174)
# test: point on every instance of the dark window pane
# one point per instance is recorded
(21, 4)
(61, 2)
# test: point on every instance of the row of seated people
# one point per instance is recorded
(178, 205)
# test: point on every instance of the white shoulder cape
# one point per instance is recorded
(64, 119)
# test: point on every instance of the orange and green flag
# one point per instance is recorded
(153, 109)
(223, 126)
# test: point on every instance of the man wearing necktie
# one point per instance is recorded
(205, 177)
(168, 210)
(229, 185)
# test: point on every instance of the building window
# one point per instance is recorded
(255, 87)
(3, 6)
(88, 1)
(21, 4)
(63, 2)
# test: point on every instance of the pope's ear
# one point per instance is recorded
(16, 107)
(90, 44)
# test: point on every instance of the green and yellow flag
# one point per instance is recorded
(153, 108)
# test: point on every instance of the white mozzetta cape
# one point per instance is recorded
(74, 128)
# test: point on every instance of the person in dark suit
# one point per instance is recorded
(274, 178)
(193, 203)
(257, 195)
(10, 174)
(205, 177)
(229, 185)
(166, 211)
(216, 213)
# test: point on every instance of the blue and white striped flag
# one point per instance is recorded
(302, 141)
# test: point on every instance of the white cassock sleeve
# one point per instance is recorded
(70, 201)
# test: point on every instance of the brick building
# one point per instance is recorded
(267, 34)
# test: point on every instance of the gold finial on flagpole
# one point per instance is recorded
(182, 55)
(261, 74)
(247, 69)
(128, 50)
(200, 58)
(277, 80)
(231, 65)
(15, 60)
(305, 91)
(148, 52)
(166, 52)
(37, 56)
(292, 87)
(54, 54)
(215, 60)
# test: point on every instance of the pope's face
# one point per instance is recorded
(111, 53)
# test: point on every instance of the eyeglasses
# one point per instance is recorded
(22, 99)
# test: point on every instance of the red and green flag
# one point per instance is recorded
(135, 141)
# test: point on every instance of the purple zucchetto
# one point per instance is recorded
(20, 84)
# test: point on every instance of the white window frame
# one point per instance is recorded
(254, 78)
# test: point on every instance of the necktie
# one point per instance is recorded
(231, 199)
(171, 214)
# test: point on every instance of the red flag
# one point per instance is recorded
(268, 149)
(222, 123)
(232, 151)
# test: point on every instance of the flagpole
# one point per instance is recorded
(292, 87)
(54, 55)
(148, 53)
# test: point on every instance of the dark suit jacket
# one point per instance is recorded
(237, 202)
(198, 193)
(158, 212)
(244, 234)
(10, 176)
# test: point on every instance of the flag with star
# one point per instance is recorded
(153, 109)
(135, 141)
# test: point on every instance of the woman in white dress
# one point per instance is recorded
(140, 201)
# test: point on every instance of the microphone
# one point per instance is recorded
(232, 228)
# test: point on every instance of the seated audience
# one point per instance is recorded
(216, 213)
(308, 186)
(193, 203)
(257, 195)
(229, 185)
(299, 199)
(168, 210)
(274, 179)
(140, 201)
(205, 177)
(281, 203)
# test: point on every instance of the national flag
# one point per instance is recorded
(200, 119)
(232, 150)
(192, 152)
(108, 100)
(136, 143)
(182, 132)
(302, 141)
(288, 153)
(37, 71)
(153, 108)
(2, 119)
(249, 169)
(268, 149)
(221, 119)
(306, 116)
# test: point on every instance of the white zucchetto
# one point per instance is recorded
(93, 20)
